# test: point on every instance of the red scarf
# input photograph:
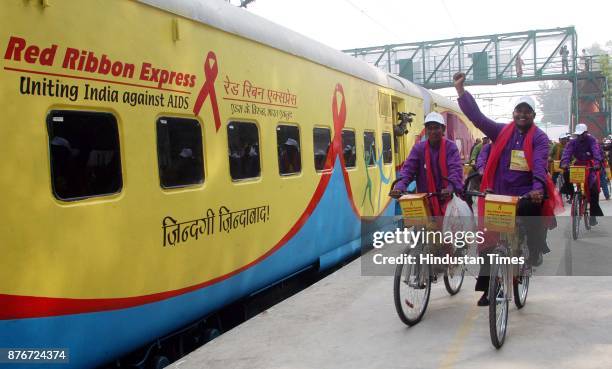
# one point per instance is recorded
(437, 208)
(553, 204)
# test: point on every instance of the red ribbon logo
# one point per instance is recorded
(208, 89)
(339, 116)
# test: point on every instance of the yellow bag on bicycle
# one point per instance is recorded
(577, 174)
(500, 213)
(415, 209)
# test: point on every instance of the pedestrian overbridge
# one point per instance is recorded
(537, 55)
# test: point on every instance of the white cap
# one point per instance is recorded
(291, 142)
(580, 129)
(186, 153)
(435, 117)
(525, 100)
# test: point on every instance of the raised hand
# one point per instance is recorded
(459, 81)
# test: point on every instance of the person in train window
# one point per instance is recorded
(290, 157)
(516, 167)
(435, 163)
(349, 155)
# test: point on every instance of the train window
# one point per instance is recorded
(243, 140)
(369, 148)
(289, 153)
(387, 153)
(179, 152)
(84, 154)
(384, 104)
(322, 141)
(349, 149)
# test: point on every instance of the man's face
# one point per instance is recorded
(435, 131)
(563, 141)
(523, 116)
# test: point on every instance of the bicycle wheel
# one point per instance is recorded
(453, 278)
(576, 215)
(498, 304)
(520, 285)
(560, 182)
(585, 211)
(520, 289)
(411, 289)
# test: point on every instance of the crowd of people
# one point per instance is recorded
(515, 159)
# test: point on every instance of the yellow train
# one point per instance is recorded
(165, 158)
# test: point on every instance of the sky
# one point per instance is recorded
(345, 24)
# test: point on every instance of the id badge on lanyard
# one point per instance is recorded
(518, 161)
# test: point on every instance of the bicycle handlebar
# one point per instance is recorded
(429, 194)
(588, 167)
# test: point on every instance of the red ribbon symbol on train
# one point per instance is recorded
(208, 89)
(339, 117)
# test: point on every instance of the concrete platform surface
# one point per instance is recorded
(349, 321)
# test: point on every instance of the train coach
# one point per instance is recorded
(163, 159)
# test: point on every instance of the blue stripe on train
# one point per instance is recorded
(95, 338)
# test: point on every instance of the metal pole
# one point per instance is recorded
(535, 55)
(497, 59)
(423, 54)
(575, 51)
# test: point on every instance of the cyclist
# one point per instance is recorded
(435, 163)
(586, 152)
(517, 160)
(556, 151)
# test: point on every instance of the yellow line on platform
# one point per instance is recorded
(456, 346)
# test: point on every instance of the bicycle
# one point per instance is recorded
(560, 183)
(412, 281)
(580, 207)
(505, 276)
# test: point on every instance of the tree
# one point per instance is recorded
(555, 101)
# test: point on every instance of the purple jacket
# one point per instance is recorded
(414, 166)
(507, 181)
(582, 148)
(483, 156)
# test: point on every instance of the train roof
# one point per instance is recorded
(444, 102)
(219, 14)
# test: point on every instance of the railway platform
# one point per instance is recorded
(349, 321)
